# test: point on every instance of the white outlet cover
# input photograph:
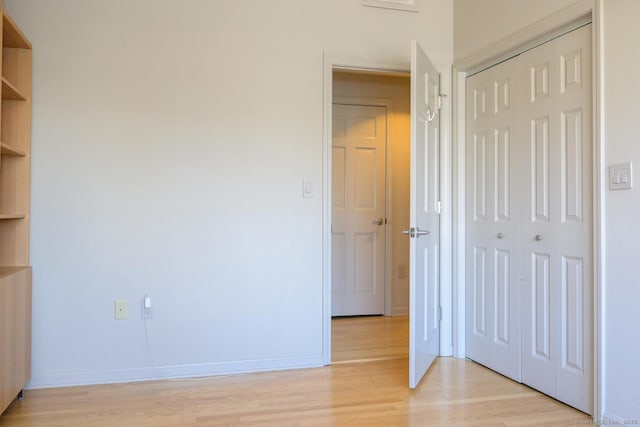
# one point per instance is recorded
(121, 309)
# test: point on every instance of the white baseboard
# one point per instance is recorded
(400, 311)
(77, 378)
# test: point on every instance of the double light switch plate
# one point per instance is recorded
(620, 176)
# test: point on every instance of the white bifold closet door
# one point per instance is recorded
(493, 220)
(529, 218)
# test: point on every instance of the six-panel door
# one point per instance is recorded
(358, 210)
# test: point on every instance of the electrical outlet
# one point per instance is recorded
(122, 311)
(147, 309)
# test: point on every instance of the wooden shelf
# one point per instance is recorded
(15, 167)
(10, 92)
(12, 36)
(10, 151)
(11, 216)
(8, 271)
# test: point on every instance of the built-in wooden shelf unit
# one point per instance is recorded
(15, 165)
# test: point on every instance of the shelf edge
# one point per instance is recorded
(17, 38)
(12, 216)
(8, 271)
(10, 92)
(9, 151)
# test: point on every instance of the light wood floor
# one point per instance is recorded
(369, 338)
(454, 393)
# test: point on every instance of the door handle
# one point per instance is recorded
(421, 232)
(411, 232)
(415, 232)
(500, 235)
(538, 237)
(378, 221)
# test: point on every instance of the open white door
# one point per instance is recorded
(424, 301)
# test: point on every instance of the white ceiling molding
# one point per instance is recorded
(406, 5)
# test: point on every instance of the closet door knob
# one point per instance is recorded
(500, 235)
(538, 237)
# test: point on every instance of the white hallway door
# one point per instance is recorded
(424, 247)
(358, 210)
(529, 218)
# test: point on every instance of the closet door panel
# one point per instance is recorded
(505, 234)
(492, 222)
(557, 124)
(479, 212)
(574, 382)
(539, 125)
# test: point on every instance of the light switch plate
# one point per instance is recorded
(620, 176)
(307, 188)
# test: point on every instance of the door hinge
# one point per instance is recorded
(440, 100)
(439, 313)
(439, 207)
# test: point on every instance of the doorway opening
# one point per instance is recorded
(370, 207)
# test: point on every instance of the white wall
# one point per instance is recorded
(475, 28)
(479, 24)
(622, 127)
(170, 140)
(397, 90)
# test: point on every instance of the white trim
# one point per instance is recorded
(446, 219)
(191, 371)
(388, 246)
(400, 311)
(406, 5)
(358, 100)
(599, 255)
(458, 208)
(552, 26)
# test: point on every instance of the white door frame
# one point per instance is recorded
(538, 33)
(332, 63)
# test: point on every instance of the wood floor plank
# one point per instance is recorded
(454, 392)
(369, 338)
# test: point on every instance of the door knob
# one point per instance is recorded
(500, 235)
(538, 237)
(378, 221)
